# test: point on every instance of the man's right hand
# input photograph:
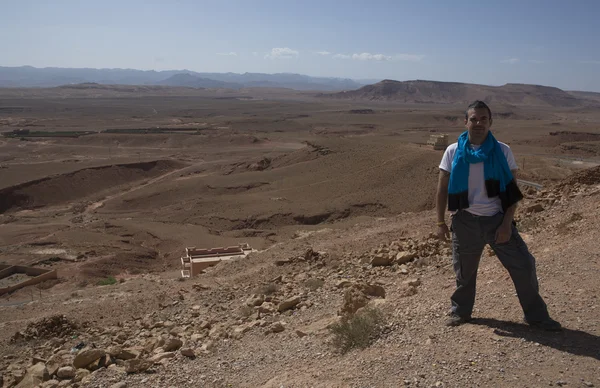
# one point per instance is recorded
(443, 233)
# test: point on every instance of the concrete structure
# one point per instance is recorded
(438, 142)
(37, 275)
(197, 260)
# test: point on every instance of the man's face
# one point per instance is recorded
(478, 124)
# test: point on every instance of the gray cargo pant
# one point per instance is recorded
(470, 234)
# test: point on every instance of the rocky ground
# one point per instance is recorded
(268, 320)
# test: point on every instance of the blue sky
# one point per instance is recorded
(551, 42)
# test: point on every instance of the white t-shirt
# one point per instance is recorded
(479, 203)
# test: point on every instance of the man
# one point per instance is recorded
(478, 183)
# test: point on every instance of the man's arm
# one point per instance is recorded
(505, 230)
(442, 195)
(441, 202)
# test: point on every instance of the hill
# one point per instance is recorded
(27, 76)
(419, 91)
(192, 81)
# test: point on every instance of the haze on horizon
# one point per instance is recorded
(549, 43)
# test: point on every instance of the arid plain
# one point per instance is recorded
(154, 170)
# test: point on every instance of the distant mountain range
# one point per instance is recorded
(419, 91)
(27, 76)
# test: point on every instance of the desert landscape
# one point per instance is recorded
(335, 194)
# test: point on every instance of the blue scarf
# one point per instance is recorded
(499, 181)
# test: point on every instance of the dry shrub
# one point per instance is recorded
(359, 330)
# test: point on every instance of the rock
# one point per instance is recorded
(136, 365)
(53, 364)
(381, 260)
(267, 308)
(288, 304)
(280, 262)
(87, 356)
(276, 327)
(343, 283)
(66, 372)
(127, 354)
(354, 299)
(122, 384)
(51, 384)
(255, 300)
(300, 333)
(172, 344)
(405, 257)
(114, 351)
(197, 337)
(373, 290)
(36, 359)
(413, 282)
(403, 269)
(535, 208)
(122, 337)
(81, 374)
(208, 346)
(161, 356)
(188, 352)
(35, 376)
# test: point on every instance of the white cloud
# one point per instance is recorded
(590, 62)
(341, 56)
(282, 53)
(229, 54)
(380, 57)
(511, 61)
(323, 52)
(254, 53)
(371, 57)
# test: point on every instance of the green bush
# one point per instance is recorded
(359, 330)
(108, 281)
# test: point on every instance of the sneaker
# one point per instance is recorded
(456, 320)
(547, 324)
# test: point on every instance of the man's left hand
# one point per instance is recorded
(503, 233)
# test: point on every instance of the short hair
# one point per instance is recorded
(478, 105)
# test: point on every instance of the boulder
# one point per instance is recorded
(128, 354)
(188, 352)
(35, 376)
(51, 384)
(288, 304)
(87, 356)
(81, 374)
(136, 365)
(66, 372)
(381, 260)
(276, 327)
(53, 364)
(172, 344)
(405, 257)
(161, 356)
(266, 308)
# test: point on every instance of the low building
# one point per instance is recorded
(197, 260)
(438, 142)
